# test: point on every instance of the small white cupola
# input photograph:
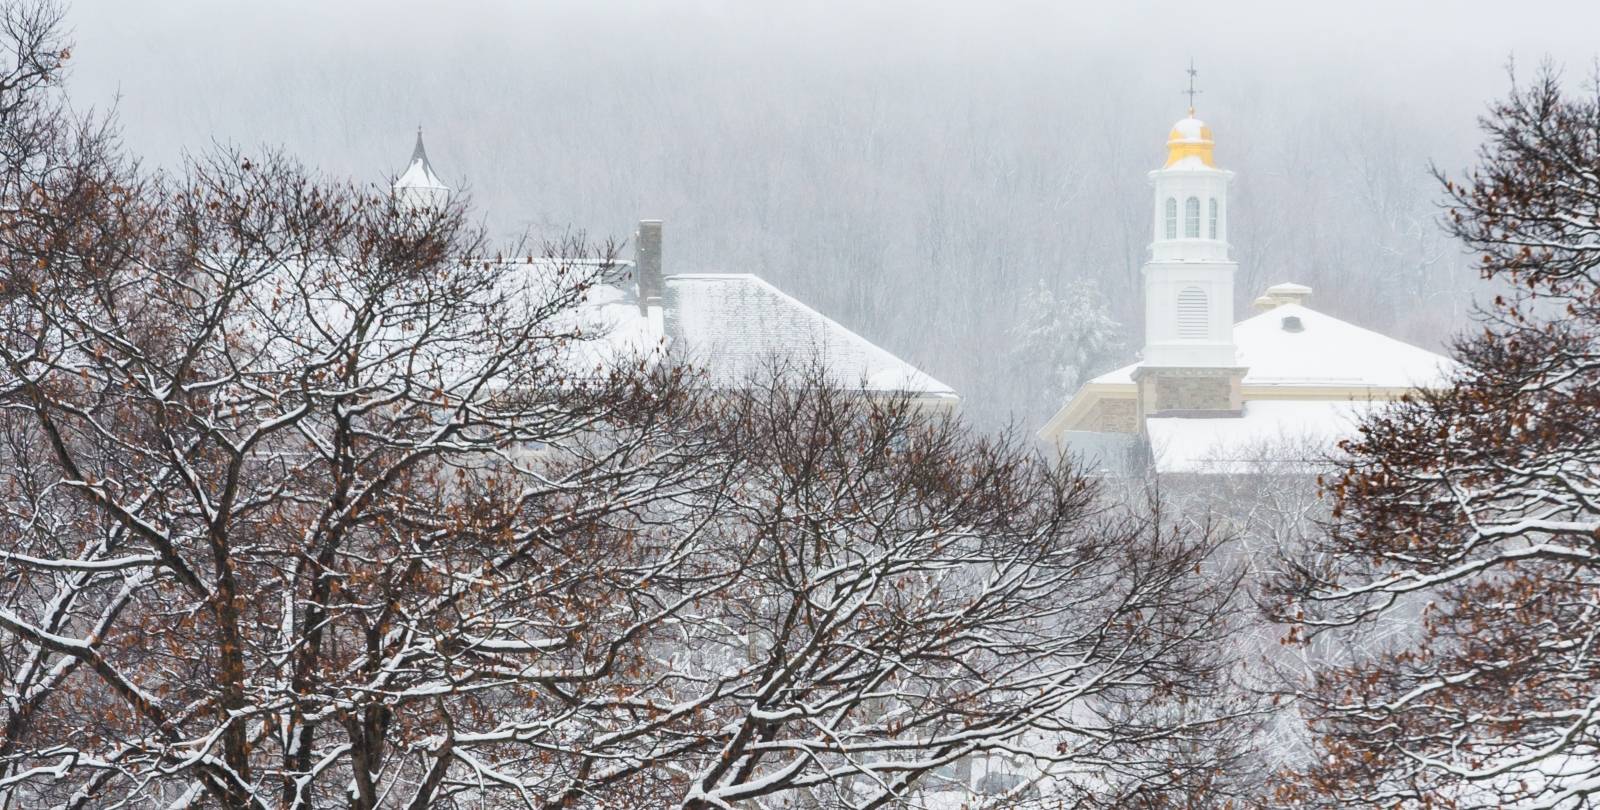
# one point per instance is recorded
(420, 187)
(1191, 197)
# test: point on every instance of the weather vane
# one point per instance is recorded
(1191, 92)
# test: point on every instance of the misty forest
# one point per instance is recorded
(718, 405)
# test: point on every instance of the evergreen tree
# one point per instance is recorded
(1065, 339)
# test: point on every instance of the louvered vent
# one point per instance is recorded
(1192, 315)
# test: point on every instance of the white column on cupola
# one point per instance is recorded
(1188, 281)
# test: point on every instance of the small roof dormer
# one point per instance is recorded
(419, 186)
(1279, 294)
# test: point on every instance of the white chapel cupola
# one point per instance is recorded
(1208, 395)
(1188, 282)
(419, 187)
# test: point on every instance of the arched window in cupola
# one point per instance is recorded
(1172, 217)
(1193, 314)
(1215, 207)
(1191, 218)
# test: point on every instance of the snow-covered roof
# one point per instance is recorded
(1308, 378)
(1189, 146)
(612, 329)
(1328, 351)
(1273, 434)
(1190, 129)
(420, 174)
(737, 325)
(1320, 351)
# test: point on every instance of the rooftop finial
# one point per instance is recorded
(1192, 92)
(417, 152)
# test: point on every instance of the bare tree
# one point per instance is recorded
(1473, 514)
(914, 596)
(309, 501)
(272, 537)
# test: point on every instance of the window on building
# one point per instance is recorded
(1172, 217)
(1214, 209)
(1192, 313)
(1191, 218)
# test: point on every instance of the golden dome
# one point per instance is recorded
(1189, 138)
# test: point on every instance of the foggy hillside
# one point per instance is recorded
(916, 171)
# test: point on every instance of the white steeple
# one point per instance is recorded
(419, 186)
(1188, 282)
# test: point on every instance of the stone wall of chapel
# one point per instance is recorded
(1113, 416)
(1192, 393)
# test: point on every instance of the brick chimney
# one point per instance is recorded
(647, 264)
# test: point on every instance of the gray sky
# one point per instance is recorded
(345, 81)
